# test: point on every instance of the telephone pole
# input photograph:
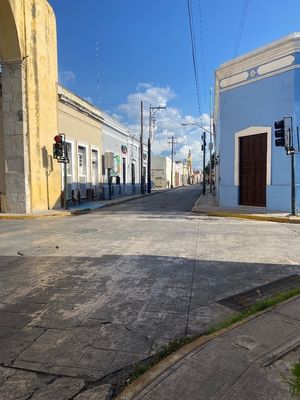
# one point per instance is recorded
(142, 150)
(152, 112)
(210, 145)
(172, 142)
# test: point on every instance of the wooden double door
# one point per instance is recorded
(253, 170)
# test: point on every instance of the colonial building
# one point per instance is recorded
(251, 93)
(28, 106)
(125, 146)
(33, 109)
(161, 172)
(90, 135)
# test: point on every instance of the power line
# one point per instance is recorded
(194, 53)
(202, 48)
(239, 34)
(98, 74)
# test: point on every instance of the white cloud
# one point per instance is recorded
(89, 100)
(66, 77)
(168, 122)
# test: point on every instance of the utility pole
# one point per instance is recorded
(204, 153)
(152, 112)
(172, 142)
(210, 144)
(142, 150)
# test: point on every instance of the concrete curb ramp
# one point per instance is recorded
(134, 390)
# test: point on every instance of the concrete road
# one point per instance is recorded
(85, 296)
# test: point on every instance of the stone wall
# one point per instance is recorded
(29, 104)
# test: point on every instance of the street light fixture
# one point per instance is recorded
(203, 137)
(152, 112)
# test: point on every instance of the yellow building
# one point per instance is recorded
(34, 109)
(81, 123)
(28, 113)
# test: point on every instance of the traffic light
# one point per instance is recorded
(280, 134)
(58, 147)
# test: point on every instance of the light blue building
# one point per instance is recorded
(251, 93)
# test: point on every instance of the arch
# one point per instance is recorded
(9, 40)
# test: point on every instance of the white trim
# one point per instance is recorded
(253, 130)
(98, 159)
(82, 144)
(258, 78)
(72, 143)
(280, 48)
(262, 70)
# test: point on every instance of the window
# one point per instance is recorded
(81, 161)
(70, 157)
(95, 165)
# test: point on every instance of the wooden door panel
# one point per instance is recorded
(253, 170)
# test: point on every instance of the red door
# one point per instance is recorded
(253, 170)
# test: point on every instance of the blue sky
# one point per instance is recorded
(145, 54)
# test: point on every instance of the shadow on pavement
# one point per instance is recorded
(88, 317)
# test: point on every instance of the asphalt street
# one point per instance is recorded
(84, 296)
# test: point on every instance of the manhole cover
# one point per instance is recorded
(242, 301)
(83, 231)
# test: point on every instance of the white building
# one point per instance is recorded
(161, 172)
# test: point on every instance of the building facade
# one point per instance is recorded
(91, 135)
(161, 172)
(125, 146)
(34, 109)
(80, 122)
(28, 113)
(251, 93)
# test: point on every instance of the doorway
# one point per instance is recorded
(253, 170)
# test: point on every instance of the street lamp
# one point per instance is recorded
(152, 112)
(203, 137)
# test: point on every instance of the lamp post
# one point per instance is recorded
(152, 112)
(203, 137)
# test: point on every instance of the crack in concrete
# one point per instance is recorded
(192, 282)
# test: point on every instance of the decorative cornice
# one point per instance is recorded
(263, 55)
(80, 104)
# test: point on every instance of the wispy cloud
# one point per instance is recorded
(66, 77)
(168, 122)
(88, 99)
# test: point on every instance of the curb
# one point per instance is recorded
(81, 211)
(255, 217)
(135, 388)
(33, 216)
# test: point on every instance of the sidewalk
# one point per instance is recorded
(249, 361)
(83, 208)
(207, 205)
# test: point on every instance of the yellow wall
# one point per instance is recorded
(2, 176)
(42, 78)
(28, 29)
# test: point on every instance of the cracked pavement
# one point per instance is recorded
(90, 295)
